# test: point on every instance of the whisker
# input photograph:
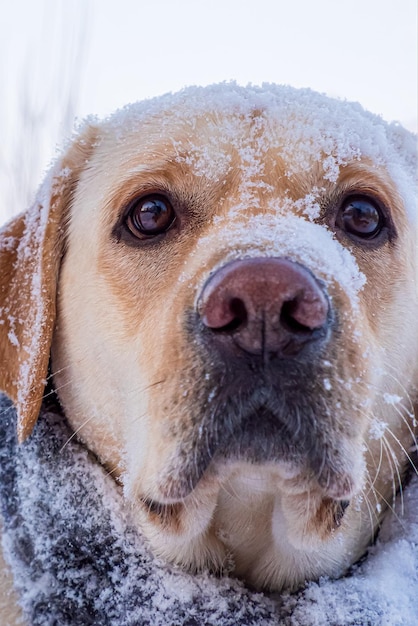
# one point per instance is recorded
(51, 374)
(390, 508)
(75, 433)
(112, 471)
(148, 386)
(391, 454)
(379, 465)
(405, 421)
(7, 410)
(403, 450)
(405, 393)
(373, 517)
(55, 389)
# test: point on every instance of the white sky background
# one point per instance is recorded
(111, 52)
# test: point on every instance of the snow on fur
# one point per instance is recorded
(324, 129)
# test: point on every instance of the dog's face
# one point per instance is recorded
(236, 332)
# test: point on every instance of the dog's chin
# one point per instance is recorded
(238, 503)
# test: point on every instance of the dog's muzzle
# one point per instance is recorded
(262, 334)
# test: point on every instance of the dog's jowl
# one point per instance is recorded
(223, 283)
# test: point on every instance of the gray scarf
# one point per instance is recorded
(76, 560)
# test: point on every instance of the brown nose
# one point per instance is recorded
(267, 305)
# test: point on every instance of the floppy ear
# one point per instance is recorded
(31, 247)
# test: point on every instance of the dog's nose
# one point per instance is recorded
(267, 305)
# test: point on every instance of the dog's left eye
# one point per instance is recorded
(361, 217)
(149, 216)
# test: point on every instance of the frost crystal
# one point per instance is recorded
(391, 398)
(377, 429)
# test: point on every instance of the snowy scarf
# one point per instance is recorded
(76, 559)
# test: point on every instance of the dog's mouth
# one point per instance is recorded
(286, 437)
(168, 511)
(168, 515)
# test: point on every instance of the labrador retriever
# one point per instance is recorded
(223, 283)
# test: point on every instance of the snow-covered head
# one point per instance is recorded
(236, 331)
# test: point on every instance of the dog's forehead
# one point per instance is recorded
(203, 127)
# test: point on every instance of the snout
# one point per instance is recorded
(263, 334)
(265, 306)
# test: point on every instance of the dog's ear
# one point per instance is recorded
(31, 246)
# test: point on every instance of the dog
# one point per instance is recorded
(223, 283)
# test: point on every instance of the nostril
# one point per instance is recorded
(288, 318)
(228, 316)
(239, 313)
(224, 313)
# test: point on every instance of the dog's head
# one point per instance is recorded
(226, 278)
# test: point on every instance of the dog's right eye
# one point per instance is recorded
(149, 216)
